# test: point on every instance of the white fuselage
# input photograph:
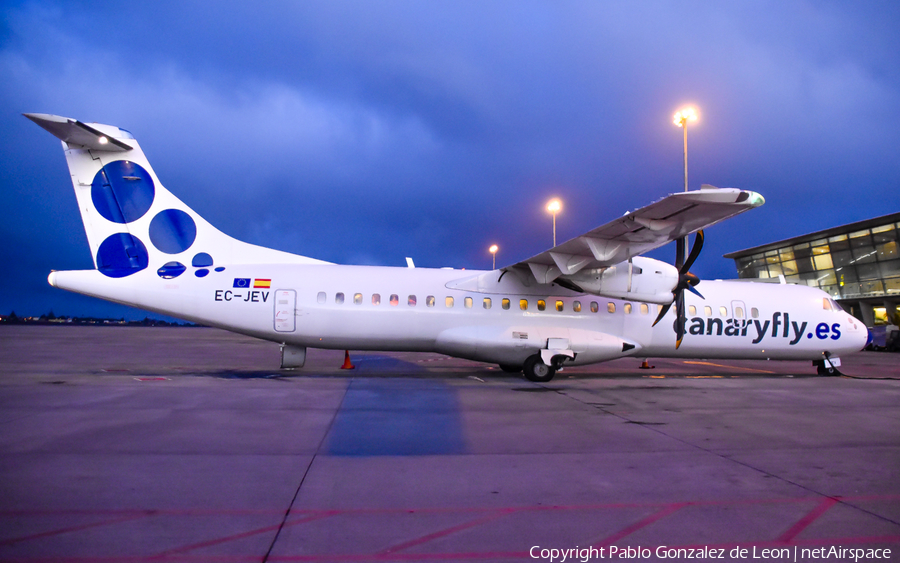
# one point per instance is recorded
(466, 313)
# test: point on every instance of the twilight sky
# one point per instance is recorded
(364, 132)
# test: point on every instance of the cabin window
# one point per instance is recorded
(576, 306)
(627, 308)
(486, 303)
(339, 298)
(754, 312)
(448, 301)
(739, 312)
(429, 301)
(723, 311)
(559, 306)
(541, 304)
(692, 310)
(395, 300)
(376, 299)
(468, 302)
(523, 304)
(320, 298)
(505, 303)
(659, 309)
(411, 300)
(826, 303)
(610, 307)
(594, 306)
(357, 298)
(645, 308)
(707, 310)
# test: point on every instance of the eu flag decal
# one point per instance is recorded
(241, 282)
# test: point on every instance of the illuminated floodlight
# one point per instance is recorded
(103, 140)
(685, 115)
(493, 250)
(554, 206)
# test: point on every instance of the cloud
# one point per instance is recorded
(370, 131)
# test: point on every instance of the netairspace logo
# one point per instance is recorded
(793, 553)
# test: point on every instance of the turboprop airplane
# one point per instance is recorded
(590, 299)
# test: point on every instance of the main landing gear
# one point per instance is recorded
(536, 370)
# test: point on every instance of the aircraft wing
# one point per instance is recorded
(637, 232)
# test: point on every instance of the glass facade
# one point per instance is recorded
(859, 264)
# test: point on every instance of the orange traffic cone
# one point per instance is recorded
(347, 363)
(646, 365)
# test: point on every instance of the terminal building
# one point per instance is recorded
(857, 264)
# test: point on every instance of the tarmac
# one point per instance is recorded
(135, 444)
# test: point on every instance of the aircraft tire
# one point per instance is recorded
(509, 368)
(537, 371)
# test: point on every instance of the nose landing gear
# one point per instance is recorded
(828, 365)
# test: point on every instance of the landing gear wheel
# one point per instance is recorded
(509, 368)
(536, 370)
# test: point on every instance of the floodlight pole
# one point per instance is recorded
(685, 156)
(554, 229)
(681, 119)
(687, 246)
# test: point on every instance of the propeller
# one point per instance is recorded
(686, 281)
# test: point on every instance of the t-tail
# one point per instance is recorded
(137, 230)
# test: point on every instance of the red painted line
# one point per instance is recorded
(658, 515)
(138, 559)
(242, 535)
(11, 541)
(448, 531)
(810, 517)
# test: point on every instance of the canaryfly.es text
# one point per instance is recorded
(780, 326)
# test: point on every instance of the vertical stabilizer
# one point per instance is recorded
(132, 222)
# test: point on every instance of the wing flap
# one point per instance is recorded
(640, 231)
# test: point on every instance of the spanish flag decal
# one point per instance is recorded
(265, 284)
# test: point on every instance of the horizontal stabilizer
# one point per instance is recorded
(74, 132)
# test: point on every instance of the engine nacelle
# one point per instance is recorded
(645, 279)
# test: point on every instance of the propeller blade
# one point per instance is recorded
(680, 320)
(662, 313)
(686, 280)
(695, 292)
(695, 251)
(690, 282)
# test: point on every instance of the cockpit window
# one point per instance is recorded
(826, 303)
